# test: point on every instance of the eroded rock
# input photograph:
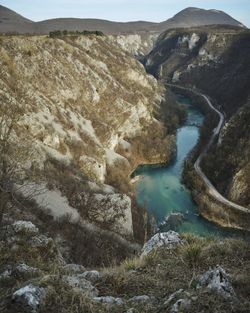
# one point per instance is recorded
(217, 280)
(29, 297)
(169, 240)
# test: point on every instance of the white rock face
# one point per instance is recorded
(168, 240)
(51, 200)
(176, 76)
(192, 41)
(74, 94)
(113, 204)
(217, 280)
(29, 296)
(135, 44)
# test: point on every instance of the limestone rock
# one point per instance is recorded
(29, 297)
(217, 280)
(169, 240)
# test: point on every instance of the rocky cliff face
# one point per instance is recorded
(215, 60)
(228, 164)
(138, 45)
(84, 99)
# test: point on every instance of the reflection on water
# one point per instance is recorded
(160, 189)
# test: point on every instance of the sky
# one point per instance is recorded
(123, 10)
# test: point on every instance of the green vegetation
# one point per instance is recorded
(59, 33)
(231, 157)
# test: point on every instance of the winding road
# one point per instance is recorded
(197, 165)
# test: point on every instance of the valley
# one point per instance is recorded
(124, 164)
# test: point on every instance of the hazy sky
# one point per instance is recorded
(123, 10)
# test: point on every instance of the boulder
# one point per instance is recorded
(29, 297)
(217, 280)
(168, 240)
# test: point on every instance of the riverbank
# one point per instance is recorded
(162, 189)
(211, 204)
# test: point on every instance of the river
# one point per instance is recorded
(160, 189)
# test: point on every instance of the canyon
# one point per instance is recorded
(80, 114)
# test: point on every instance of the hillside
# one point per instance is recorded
(87, 119)
(172, 273)
(216, 61)
(12, 22)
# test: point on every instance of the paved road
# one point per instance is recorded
(197, 165)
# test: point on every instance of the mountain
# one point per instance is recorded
(12, 22)
(191, 17)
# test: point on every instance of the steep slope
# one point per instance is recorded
(186, 18)
(216, 61)
(89, 113)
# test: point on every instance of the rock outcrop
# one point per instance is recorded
(167, 240)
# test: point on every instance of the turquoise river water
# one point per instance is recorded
(160, 190)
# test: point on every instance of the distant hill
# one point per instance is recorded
(191, 17)
(10, 21)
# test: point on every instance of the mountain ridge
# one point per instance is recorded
(10, 21)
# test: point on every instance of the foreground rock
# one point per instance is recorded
(217, 280)
(168, 240)
(29, 297)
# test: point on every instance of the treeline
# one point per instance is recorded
(59, 33)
